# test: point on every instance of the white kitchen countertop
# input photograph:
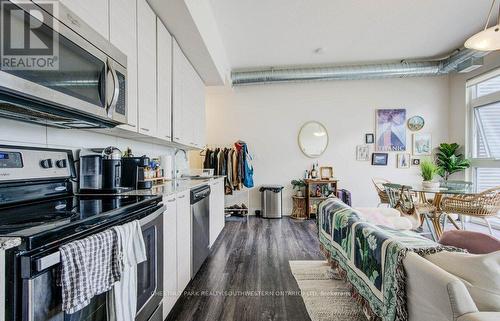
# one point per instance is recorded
(9, 242)
(174, 186)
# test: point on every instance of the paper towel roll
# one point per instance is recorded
(166, 165)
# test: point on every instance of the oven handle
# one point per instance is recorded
(55, 258)
(151, 217)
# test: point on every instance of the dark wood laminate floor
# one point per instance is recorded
(251, 255)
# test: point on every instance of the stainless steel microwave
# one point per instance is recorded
(56, 70)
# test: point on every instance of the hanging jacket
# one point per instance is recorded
(248, 178)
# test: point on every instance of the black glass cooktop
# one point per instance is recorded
(43, 222)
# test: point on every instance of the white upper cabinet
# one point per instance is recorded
(178, 65)
(164, 82)
(188, 102)
(146, 80)
(123, 34)
(94, 12)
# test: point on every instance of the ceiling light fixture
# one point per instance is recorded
(489, 38)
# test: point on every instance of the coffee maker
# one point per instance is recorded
(100, 171)
(133, 172)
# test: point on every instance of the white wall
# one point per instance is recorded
(269, 117)
(20, 133)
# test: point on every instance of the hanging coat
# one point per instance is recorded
(248, 178)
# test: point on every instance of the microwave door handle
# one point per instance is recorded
(116, 91)
(102, 85)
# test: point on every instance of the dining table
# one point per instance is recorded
(437, 196)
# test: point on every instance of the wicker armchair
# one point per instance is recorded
(483, 205)
(379, 187)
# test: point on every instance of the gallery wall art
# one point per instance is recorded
(391, 130)
(380, 159)
(416, 123)
(362, 153)
(403, 160)
(422, 144)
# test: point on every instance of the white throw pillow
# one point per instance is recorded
(480, 274)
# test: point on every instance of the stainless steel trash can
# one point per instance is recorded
(272, 201)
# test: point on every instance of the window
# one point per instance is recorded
(483, 144)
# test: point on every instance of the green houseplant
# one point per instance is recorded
(298, 184)
(450, 161)
(429, 170)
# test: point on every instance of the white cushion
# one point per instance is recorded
(401, 223)
(385, 216)
(480, 274)
(385, 211)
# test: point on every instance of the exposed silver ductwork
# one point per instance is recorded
(461, 60)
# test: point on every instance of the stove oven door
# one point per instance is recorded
(41, 294)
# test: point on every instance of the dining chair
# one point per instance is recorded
(482, 205)
(401, 198)
(379, 187)
(455, 185)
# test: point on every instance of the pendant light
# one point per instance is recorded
(489, 38)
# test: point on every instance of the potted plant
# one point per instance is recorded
(449, 161)
(298, 184)
(429, 170)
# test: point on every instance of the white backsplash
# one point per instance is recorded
(20, 133)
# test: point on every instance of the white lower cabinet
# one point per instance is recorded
(177, 239)
(183, 240)
(217, 217)
(170, 294)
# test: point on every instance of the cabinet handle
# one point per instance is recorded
(167, 136)
(133, 126)
(171, 200)
(176, 138)
(145, 129)
(182, 196)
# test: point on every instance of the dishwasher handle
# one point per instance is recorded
(199, 193)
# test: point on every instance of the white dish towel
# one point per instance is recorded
(122, 299)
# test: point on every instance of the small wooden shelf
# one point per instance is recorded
(310, 199)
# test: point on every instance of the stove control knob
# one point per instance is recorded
(46, 163)
(62, 163)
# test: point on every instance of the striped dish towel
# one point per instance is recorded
(89, 267)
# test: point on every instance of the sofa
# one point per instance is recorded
(435, 294)
(417, 284)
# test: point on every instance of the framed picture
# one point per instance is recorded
(326, 172)
(403, 160)
(369, 138)
(416, 123)
(422, 144)
(415, 161)
(391, 130)
(380, 159)
(362, 152)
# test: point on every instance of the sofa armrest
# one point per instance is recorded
(434, 294)
(480, 316)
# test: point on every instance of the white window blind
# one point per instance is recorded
(487, 123)
(488, 86)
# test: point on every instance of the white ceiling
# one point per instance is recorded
(263, 33)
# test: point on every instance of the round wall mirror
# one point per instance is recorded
(313, 139)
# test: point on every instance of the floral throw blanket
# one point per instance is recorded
(371, 256)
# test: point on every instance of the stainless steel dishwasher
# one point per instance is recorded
(200, 227)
